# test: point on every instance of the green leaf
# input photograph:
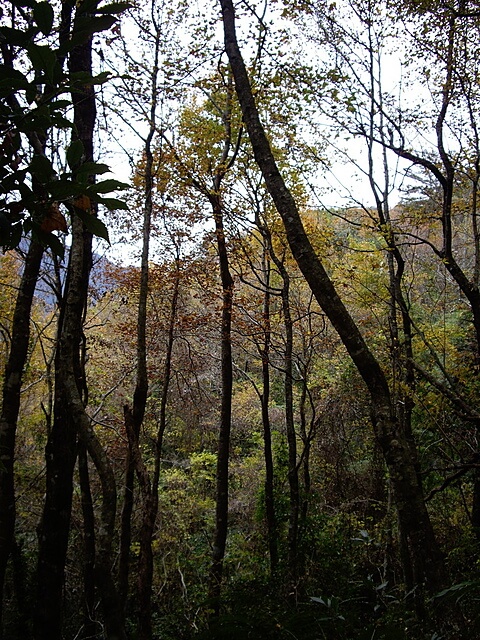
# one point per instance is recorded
(115, 7)
(60, 104)
(15, 235)
(17, 37)
(62, 190)
(93, 224)
(106, 186)
(111, 203)
(41, 168)
(12, 79)
(23, 3)
(82, 77)
(5, 227)
(87, 25)
(93, 168)
(49, 240)
(10, 181)
(75, 154)
(101, 78)
(37, 120)
(43, 15)
(43, 59)
(61, 122)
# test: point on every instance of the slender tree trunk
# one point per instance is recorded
(223, 452)
(89, 624)
(126, 526)
(293, 482)
(20, 583)
(151, 503)
(60, 457)
(414, 521)
(84, 118)
(70, 417)
(476, 503)
(272, 527)
(11, 404)
(291, 433)
(306, 435)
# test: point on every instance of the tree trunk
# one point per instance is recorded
(126, 527)
(293, 484)
(272, 527)
(70, 417)
(223, 452)
(414, 521)
(11, 404)
(60, 454)
(89, 624)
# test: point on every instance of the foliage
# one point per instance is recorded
(35, 91)
(349, 582)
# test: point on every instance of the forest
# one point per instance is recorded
(240, 320)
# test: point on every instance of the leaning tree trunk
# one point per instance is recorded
(414, 520)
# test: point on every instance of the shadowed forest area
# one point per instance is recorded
(240, 320)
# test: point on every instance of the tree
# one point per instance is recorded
(415, 524)
(76, 192)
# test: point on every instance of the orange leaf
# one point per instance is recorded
(54, 220)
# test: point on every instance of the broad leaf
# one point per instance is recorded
(75, 154)
(87, 25)
(49, 240)
(43, 59)
(93, 168)
(17, 37)
(107, 186)
(43, 15)
(93, 224)
(41, 168)
(112, 204)
(114, 7)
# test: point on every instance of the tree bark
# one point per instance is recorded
(293, 483)
(223, 451)
(11, 404)
(89, 620)
(414, 521)
(272, 527)
(70, 417)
